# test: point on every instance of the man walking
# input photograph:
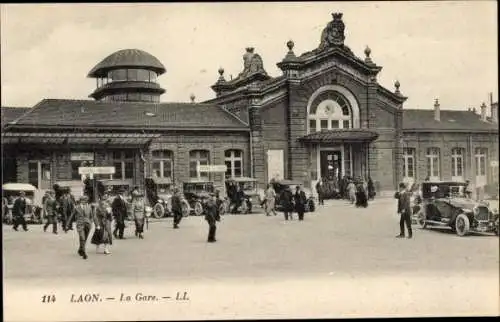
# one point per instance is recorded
(300, 202)
(84, 216)
(212, 216)
(319, 190)
(286, 200)
(176, 208)
(51, 212)
(18, 212)
(404, 209)
(119, 209)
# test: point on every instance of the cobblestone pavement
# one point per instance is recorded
(340, 261)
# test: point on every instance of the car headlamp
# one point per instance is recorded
(476, 211)
(249, 199)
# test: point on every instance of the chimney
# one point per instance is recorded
(494, 112)
(483, 112)
(437, 112)
(192, 97)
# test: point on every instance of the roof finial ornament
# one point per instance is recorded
(290, 44)
(192, 97)
(368, 51)
(397, 85)
(290, 55)
(221, 74)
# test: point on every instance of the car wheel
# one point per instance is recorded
(222, 209)
(185, 209)
(421, 220)
(198, 209)
(244, 207)
(158, 210)
(462, 225)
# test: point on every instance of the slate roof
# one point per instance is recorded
(346, 135)
(133, 115)
(11, 113)
(127, 58)
(450, 120)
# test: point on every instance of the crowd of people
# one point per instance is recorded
(356, 191)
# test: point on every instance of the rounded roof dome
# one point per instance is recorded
(127, 58)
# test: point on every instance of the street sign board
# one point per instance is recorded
(96, 170)
(212, 168)
(494, 164)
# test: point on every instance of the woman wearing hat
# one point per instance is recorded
(139, 213)
(102, 234)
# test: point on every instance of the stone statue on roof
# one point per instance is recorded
(333, 34)
(252, 63)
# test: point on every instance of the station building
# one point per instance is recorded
(325, 116)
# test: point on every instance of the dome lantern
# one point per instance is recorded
(128, 75)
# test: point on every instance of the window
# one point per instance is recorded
(457, 163)
(409, 163)
(480, 156)
(123, 161)
(433, 163)
(118, 75)
(196, 158)
(330, 111)
(234, 163)
(312, 126)
(162, 164)
(33, 173)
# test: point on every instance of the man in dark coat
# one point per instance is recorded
(119, 209)
(51, 213)
(84, 217)
(320, 190)
(371, 189)
(286, 200)
(404, 209)
(212, 216)
(67, 206)
(18, 211)
(300, 202)
(176, 208)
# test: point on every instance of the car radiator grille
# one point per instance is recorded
(483, 213)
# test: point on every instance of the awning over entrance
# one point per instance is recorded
(77, 138)
(340, 135)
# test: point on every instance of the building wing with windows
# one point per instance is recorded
(326, 116)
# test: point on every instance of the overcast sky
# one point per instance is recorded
(445, 50)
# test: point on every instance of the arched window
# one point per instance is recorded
(457, 164)
(197, 158)
(234, 163)
(433, 161)
(329, 111)
(162, 163)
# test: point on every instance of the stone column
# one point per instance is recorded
(298, 156)
(257, 158)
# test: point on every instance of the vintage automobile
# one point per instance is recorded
(280, 185)
(252, 194)
(196, 193)
(34, 213)
(443, 204)
(159, 192)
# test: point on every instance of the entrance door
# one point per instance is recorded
(331, 165)
(39, 174)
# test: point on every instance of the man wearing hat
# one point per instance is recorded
(84, 216)
(18, 211)
(300, 202)
(212, 216)
(119, 209)
(176, 208)
(404, 209)
(50, 211)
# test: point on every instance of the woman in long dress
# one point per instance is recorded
(270, 200)
(139, 213)
(102, 220)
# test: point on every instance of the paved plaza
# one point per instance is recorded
(340, 262)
